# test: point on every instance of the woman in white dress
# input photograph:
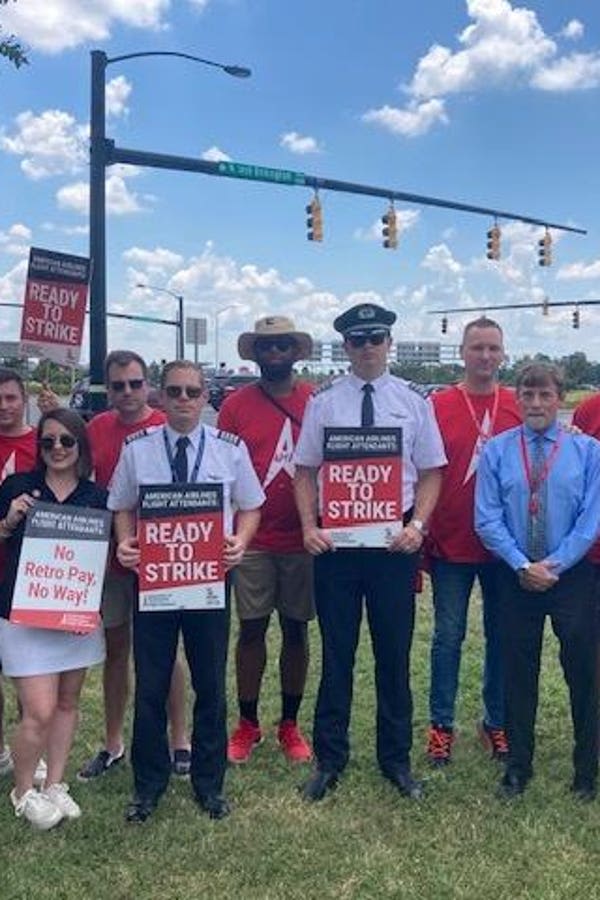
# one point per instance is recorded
(48, 666)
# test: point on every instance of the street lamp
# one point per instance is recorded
(179, 344)
(101, 156)
(216, 314)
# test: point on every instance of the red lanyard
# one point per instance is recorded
(536, 481)
(483, 435)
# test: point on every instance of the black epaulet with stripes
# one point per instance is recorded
(326, 386)
(229, 437)
(138, 434)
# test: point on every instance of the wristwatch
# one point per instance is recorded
(523, 568)
(418, 524)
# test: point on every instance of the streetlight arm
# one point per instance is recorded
(235, 71)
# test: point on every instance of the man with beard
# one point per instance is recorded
(276, 572)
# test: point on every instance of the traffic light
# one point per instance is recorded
(493, 243)
(545, 250)
(314, 221)
(444, 324)
(576, 318)
(390, 229)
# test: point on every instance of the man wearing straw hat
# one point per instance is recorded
(276, 572)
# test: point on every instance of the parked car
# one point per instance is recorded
(220, 387)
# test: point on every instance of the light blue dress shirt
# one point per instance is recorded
(573, 496)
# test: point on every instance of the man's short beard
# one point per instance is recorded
(276, 371)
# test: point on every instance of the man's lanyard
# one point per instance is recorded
(536, 481)
(171, 459)
(484, 435)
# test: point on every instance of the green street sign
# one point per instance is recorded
(260, 173)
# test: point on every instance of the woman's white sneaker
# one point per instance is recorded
(59, 795)
(37, 808)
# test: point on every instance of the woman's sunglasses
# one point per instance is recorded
(66, 441)
(176, 390)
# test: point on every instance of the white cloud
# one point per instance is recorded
(412, 121)
(579, 271)
(215, 154)
(61, 24)
(120, 200)
(117, 94)
(405, 220)
(573, 30)
(580, 71)
(16, 241)
(158, 260)
(439, 259)
(52, 143)
(300, 144)
(66, 229)
(12, 283)
(503, 45)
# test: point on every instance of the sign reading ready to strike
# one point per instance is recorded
(61, 568)
(362, 486)
(54, 309)
(181, 537)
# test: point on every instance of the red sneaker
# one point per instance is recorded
(494, 741)
(295, 747)
(439, 745)
(242, 742)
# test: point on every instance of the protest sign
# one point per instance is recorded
(361, 486)
(181, 537)
(54, 309)
(61, 568)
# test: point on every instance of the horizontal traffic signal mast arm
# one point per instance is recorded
(250, 172)
(549, 303)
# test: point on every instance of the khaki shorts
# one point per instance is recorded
(264, 582)
(118, 597)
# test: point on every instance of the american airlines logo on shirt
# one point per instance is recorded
(282, 456)
(482, 437)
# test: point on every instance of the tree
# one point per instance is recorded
(12, 49)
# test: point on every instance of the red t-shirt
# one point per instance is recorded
(17, 454)
(451, 530)
(587, 417)
(271, 436)
(107, 433)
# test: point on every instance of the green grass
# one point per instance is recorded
(363, 841)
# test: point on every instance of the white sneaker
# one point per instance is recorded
(37, 809)
(6, 761)
(59, 795)
(40, 774)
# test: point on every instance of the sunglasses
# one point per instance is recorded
(66, 441)
(376, 338)
(135, 384)
(263, 345)
(176, 390)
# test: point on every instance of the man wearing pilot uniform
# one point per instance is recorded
(184, 450)
(372, 398)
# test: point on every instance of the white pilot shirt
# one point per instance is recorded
(395, 404)
(225, 460)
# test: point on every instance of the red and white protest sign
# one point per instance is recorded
(61, 568)
(361, 486)
(54, 309)
(181, 535)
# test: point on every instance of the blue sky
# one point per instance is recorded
(482, 101)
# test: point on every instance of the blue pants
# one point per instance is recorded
(452, 585)
(155, 637)
(386, 583)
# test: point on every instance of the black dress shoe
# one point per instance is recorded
(215, 805)
(318, 784)
(139, 810)
(584, 789)
(407, 785)
(511, 786)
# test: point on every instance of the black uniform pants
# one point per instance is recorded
(386, 581)
(205, 638)
(571, 607)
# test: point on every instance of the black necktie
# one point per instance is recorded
(367, 413)
(180, 463)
